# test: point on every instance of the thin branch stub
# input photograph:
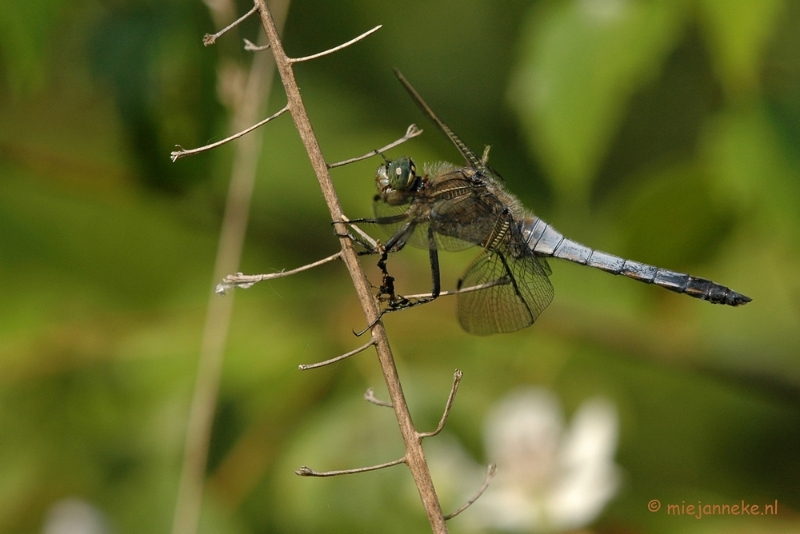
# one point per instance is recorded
(448, 406)
(177, 154)
(307, 366)
(308, 472)
(252, 47)
(369, 396)
(490, 472)
(211, 38)
(498, 282)
(245, 281)
(368, 242)
(337, 48)
(411, 132)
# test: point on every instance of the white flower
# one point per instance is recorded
(549, 479)
(604, 11)
(74, 516)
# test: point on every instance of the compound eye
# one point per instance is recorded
(402, 173)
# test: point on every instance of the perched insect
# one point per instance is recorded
(451, 207)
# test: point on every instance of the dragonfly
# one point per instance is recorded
(506, 287)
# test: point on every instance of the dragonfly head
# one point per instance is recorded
(397, 175)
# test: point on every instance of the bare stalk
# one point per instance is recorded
(183, 152)
(490, 472)
(209, 38)
(308, 472)
(498, 282)
(246, 281)
(307, 366)
(411, 132)
(448, 406)
(369, 396)
(415, 456)
(336, 48)
(252, 47)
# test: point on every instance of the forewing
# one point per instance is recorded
(385, 211)
(521, 292)
(419, 237)
(545, 266)
(468, 154)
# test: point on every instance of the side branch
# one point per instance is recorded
(498, 282)
(246, 281)
(336, 49)
(369, 396)
(252, 47)
(307, 366)
(364, 239)
(453, 390)
(411, 132)
(490, 472)
(177, 154)
(308, 472)
(209, 38)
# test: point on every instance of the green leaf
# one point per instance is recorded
(24, 32)
(577, 68)
(752, 167)
(738, 32)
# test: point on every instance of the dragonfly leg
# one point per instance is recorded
(394, 301)
(386, 292)
(433, 255)
(399, 302)
(370, 247)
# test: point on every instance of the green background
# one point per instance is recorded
(663, 131)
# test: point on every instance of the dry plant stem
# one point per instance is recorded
(456, 292)
(307, 366)
(215, 331)
(209, 39)
(414, 457)
(373, 244)
(369, 396)
(456, 381)
(490, 472)
(334, 49)
(183, 152)
(411, 132)
(245, 281)
(251, 47)
(308, 472)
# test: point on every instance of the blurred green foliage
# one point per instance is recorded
(667, 131)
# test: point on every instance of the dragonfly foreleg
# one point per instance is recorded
(387, 294)
(398, 302)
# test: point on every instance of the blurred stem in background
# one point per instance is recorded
(245, 110)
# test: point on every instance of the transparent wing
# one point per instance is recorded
(520, 295)
(468, 154)
(545, 266)
(419, 237)
(384, 211)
